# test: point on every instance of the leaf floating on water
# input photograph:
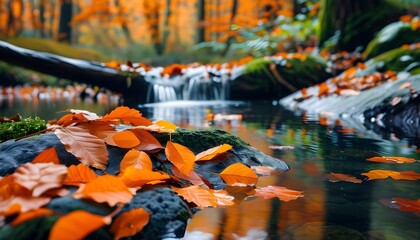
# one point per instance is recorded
(392, 159)
(197, 195)
(337, 177)
(281, 193)
(238, 173)
(382, 174)
(265, 170)
(129, 223)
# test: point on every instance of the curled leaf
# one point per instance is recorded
(130, 223)
(126, 115)
(137, 159)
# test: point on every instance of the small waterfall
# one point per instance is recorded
(198, 83)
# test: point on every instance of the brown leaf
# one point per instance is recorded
(392, 159)
(17, 204)
(408, 205)
(197, 195)
(40, 177)
(128, 116)
(29, 215)
(148, 142)
(78, 174)
(77, 225)
(180, 156)
(88, 148)
(99, 129)
(137, 159)
(212, 152)
(193, 177)
(46, 156)
(133, 177)
(125, 139)
(337, 177)
(238, 173)
(109, 189)
(381, 174)
(281, 193)
(129, 223)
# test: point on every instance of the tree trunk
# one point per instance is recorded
(66, 14)
(201, 20)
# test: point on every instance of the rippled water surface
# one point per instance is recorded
(329, 210)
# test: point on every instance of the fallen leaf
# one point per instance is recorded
(128, 116)
(238, 173)
(79, 174)
(265, 170)
(337, 177)
(240, 192)
(193, 177)
(129, 223)
(392, 159)
(48, 155)
(88, 148)
(165, 126)
(180, 156)
(281, 193)
(323, 89)
(408, 205)
(40, 177)
(381, 174)
(133, 177)
(77, 225)
(125, 139)
(109, 189)
(17, 204)
(86, 114)
(29, 215)
(211, 153)
(99, 129)
(137, 159)
(148, 142)
(223, 198)
(197, 195)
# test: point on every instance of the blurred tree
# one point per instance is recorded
(66, 14)
(15, 18)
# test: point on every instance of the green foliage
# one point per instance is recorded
(392, 36)
(399, 59)
(257, 66)
(26, 126)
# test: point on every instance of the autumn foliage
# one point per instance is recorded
(25, 193)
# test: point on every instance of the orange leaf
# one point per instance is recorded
(137, 159)
(165, 126)
(130, 223)
(392, 159)
(213, 152)
(99, 129)
(26, 216)
(197, 195)
(381, 174)
(78, 174)
(238, 173)
(125, 139)
(265, 170)
(223, 198)
(48, 155)
(17, 204)
(86, 114)
(128, 116)
(281, 193)
(337, 177)
(88, 148)
(109, 189)
(40, 177)
(323, 89)
(408, 205)
(193, 177)
(148, 142)
(180, 156)
(133, 177)
(77, 225)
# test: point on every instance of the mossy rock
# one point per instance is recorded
(399, 59)
(16, 129)
(390, 37)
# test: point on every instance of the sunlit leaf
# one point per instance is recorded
(381, 174)
(281, 193)
(265, 170)
(77, 225)
(88, 148)
(78, 174)
(148, 142)
(180, 156)
(129, 223)
(133, 177)
(213, 152)
(125, 139)
(337, 177)
(165, 126)
(48, 155)
(197, 195)
(128, 116)
(29, 215)
(137, 159)
(238, 173)
(40, 177)
(392, 159)
(109, 189)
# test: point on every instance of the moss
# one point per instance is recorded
(26, 126)
(399, 59)
(392, 36)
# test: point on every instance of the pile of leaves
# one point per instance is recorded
(15, 127)
(25, 193)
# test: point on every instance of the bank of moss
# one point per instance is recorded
(26, 126)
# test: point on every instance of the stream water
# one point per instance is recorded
(329, 210)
